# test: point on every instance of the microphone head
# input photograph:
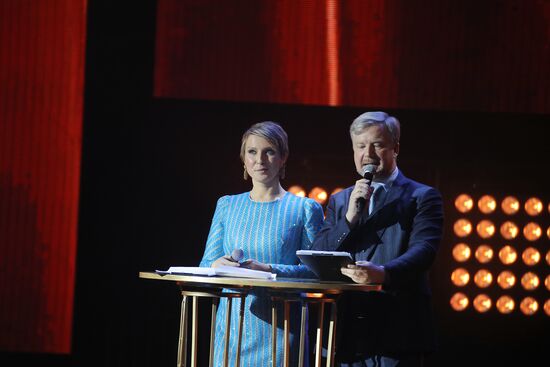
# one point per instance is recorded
(368, 171)
(237, 254)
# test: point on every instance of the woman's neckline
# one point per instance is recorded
(277, 198)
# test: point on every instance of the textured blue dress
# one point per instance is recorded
(269, 232)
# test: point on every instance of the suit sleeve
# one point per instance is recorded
(335, 229)
(423, 243)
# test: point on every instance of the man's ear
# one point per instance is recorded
(396, 150)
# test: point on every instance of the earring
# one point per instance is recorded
(282, 172)
(245, 174)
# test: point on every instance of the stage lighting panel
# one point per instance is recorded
(484, 217)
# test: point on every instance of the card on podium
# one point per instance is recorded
(326, 264)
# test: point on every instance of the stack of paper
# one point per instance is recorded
(225, 271)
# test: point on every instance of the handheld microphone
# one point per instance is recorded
(368, 174)
(237, 255)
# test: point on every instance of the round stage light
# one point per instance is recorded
(530, 281)
(509, 230)
(510, 205)
(484, 254)
(297, 190)
(462, 227)
(459, 301)
(461, 252)
(506, 279)
(485, 229)
(482, 303)
(507, 255)
(483, 278)
(464, 203)
(505, 304)
(318, 194)
(530, 256)
(460, 277)
(487, 204)
(532, 231)
(547, 307)
(529, 306)
(533, 206)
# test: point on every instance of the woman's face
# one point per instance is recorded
(262, 160)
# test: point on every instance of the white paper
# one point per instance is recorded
(224, 271)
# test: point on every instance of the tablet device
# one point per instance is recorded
(326, 264)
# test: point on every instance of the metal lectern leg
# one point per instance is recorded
(227, 331)
(274, 331)
(215, 302)
(194, 329)
(319, 335)
(182, 345)
(332, 335)
(240, 333)
(302, 334)
(286, 349)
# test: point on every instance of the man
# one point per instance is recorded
(394, 241)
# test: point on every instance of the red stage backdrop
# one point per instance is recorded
(41, 95)
(427, 54)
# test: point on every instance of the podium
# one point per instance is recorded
(282, 290)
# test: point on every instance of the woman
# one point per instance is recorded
(269, 225)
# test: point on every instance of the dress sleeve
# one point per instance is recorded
(312, 220)
(214, 243)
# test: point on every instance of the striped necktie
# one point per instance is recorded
(377, 197)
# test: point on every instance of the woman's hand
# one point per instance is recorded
(256, 265)
(225, 261)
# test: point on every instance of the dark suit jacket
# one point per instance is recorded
(403, 234)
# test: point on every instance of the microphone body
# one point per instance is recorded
(368, 174)
(237, 255)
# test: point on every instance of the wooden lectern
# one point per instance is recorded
(285, 290)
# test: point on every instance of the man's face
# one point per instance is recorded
(374, 145)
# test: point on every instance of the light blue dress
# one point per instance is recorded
(269, 232)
